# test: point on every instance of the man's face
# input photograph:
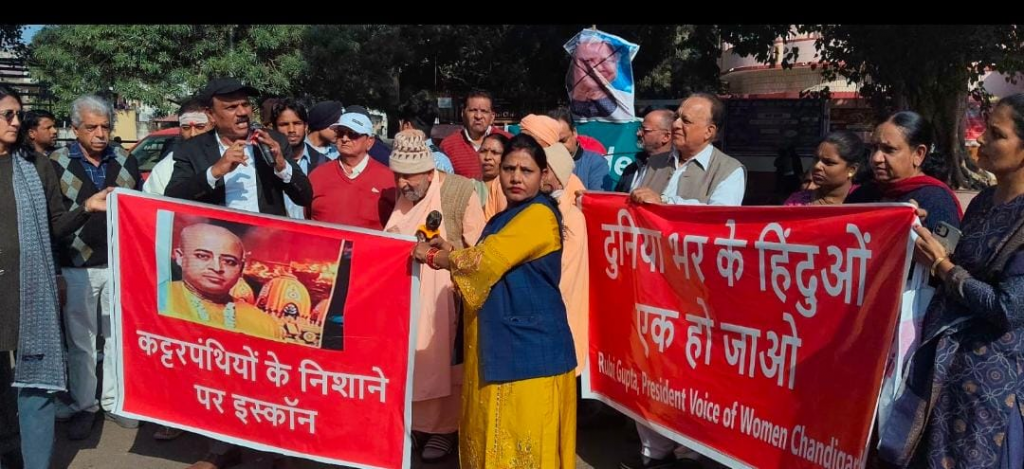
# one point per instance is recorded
(414, 187)
(594, 63)
(230, 115)
(477, 116)
(45, 134)
(568, 137)
(329, 135)
(653, 134)
(194, 128)
(693, 129)
(211, 259)
(351, 143)
(549, 182)
(289, 123)
(94, 132)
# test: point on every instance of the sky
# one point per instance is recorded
(30, 32)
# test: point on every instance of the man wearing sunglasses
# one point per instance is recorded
(193, 121)
(355, 190)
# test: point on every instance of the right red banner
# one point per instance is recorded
(756, 336)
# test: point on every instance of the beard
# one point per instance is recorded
(414, 195)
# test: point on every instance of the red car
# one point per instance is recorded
(149, 149)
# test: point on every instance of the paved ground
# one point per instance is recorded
(600, 445)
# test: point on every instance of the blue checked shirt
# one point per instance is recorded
(98, 174)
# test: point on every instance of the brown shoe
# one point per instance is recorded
(219, 461)
(167, 433)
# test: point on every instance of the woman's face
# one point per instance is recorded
(490, 157)
(520, 176)
(831, 170)
(9, 108)
(893, 158)
(1001, 151)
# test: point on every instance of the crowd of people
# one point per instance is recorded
(502, 335)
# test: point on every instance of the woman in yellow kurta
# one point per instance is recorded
(519, 389)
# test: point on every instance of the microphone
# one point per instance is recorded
(264, 149)
(431, 228)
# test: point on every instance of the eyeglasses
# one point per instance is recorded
(351, 134)
(645, 130)
(8, 115)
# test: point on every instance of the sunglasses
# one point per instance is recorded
(8, 115)
(351, 134)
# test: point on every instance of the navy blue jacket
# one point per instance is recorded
(523, 329)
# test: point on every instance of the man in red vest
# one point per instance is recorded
(461, 147)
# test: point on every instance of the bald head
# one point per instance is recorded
(656, 131)
(662, 118)
(211, 260)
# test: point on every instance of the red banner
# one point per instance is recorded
(756, 336)
(280, 335)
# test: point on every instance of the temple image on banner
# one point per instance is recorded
(259, 281)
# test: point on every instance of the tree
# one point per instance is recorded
(10, 38)
(356, 64)
(674, 60)
(154, 64)
(381, 65)
(925, 68)
(526, 65)
(374, 65)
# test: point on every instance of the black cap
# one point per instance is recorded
(222, 86)
(358, 109)
(324, 114)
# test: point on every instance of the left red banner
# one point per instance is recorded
(280, 335)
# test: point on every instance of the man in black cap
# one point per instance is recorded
(224, 167)
(322, 117)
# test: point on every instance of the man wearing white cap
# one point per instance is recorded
(423, 190)
(355, 190)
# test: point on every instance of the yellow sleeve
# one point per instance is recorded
(532, 234)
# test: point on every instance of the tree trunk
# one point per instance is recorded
(946, 111)
(948, 119)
